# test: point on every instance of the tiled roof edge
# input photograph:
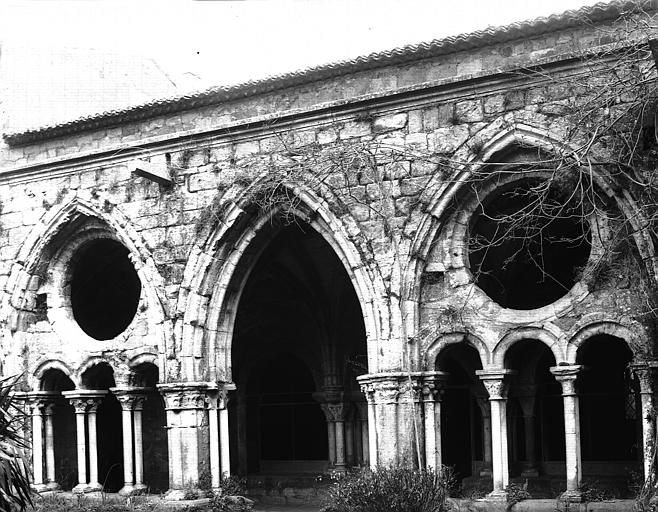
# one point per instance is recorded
(492, 35)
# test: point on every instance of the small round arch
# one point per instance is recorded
(636, 343)
(526, 333)
(451, 338)
(43, 366)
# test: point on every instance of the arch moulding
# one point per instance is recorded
(221, 264)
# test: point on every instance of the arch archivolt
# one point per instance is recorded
(446, 339)
(40, 368)
(630, 331)
(42, 260)
(513, 130)
(550, 339)
(220, 266)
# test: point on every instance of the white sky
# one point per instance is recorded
(233, 41)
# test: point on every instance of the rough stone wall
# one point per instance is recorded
(389, 229)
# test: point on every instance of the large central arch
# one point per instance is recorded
(218, 276)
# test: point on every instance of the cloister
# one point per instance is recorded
(316, 271)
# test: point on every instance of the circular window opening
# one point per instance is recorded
(529, 245)
(105, 289)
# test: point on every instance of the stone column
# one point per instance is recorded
(187, 423)
(494, 382)
(213, 440)
(644, 374)
(49, 411)
(349, 442)
(138, 407)
(362, 431)
(336, 433)
(132, 401)
(94, 484)
(566, 375)
(432, 383)
(224, 437)
(527, 397)
(81, 400)
(485, 409)
(127, 402)
(37, 406)
(386, 393)
(338, 412)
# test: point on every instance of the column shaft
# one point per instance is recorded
(225, 461)
(331, 439)
(127, 425)
(37, 445)
(648, 433)
(50, 448)
(430, 435)
(93, 448)
(349, 443)
(372, 436)
(496, 446)
(340, 444)
(139, 447)
(567, 375)
(503, 438)
(365, 448)
(213, 427)
(82, 448)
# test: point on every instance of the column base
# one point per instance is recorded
(571, 496)
(94, 487)
(175, 495)
(497, 496)
(81, 488)
(52, 486)
(39, 487)
(486, 472)
(141, 488)
(127, 490)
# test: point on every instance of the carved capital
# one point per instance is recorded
(83, 399)
(369, 392)
(644, 374)
(39, 401)
(567, 375)
(432, 386)
(186, 396)
(495, 382)
(130, 397)
(386, 392)
(334, 412)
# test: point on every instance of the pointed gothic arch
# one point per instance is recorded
(221, 263)
(80, 217)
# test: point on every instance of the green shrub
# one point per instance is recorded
(389, 489)
(516, 493)
(591, 490)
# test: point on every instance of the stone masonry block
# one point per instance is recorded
(415, 121)
(390, 122)
(247, 148)
(355, 129)
(447, 140)
(469, 111)
(221, 153)
(430, 119)
(327, 136)
(201, 181)
(494, 104)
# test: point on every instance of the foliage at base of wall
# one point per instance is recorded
(390, 489)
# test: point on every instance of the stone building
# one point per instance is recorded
(279, 277)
